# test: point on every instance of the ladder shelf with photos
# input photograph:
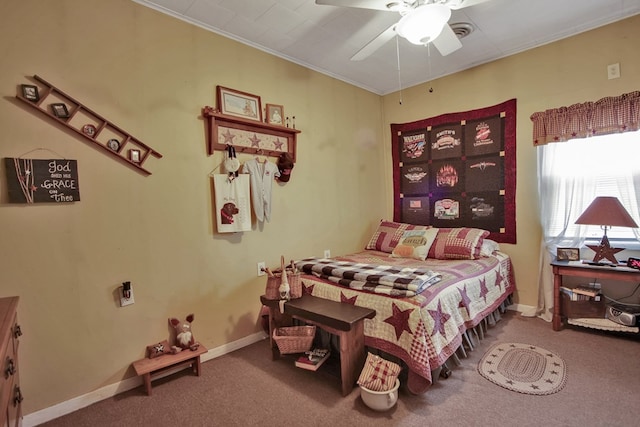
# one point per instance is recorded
(63, 109)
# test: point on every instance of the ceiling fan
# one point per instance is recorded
(421, 22)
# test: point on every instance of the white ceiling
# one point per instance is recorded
(324, 38)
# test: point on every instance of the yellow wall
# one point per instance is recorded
(559, 74)
(151, 75)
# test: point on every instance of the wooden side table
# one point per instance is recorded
(577, 269)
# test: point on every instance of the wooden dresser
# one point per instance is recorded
(10, 395)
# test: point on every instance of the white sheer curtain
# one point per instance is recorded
(570, 176)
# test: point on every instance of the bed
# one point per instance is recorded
(422, 330)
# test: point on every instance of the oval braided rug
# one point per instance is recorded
(523, 368)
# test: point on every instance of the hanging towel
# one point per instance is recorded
(232, 203)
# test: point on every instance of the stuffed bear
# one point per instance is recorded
(184, 336)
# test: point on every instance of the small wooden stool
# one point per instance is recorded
(152, 367)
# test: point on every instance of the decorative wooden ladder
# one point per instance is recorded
(90, 125)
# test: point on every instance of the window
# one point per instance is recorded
(571, 174)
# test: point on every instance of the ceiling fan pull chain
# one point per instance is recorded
(429, 66)
(399, 78)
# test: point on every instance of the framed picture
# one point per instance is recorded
(568, 254)
(89, 130)
(239, 104)
(60, 110)
(134, 156)
(30, 92)
(113, 144)
(275, 114)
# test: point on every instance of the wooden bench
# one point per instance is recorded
(152, 367)
(341, 319)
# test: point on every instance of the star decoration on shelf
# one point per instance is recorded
(605, 251)
(399, 320)
(278, 144)
(228, 137)
(255, 141)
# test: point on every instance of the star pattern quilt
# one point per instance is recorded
(425, 329)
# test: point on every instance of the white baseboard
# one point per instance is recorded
(63, 408)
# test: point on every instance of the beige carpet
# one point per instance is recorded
(246, 388)
(524, 368)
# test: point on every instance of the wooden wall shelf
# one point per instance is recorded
(90, 125)
(248, 136)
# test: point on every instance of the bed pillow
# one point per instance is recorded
(489, 247)
(415, 244)
(388, 235)
(458, 243)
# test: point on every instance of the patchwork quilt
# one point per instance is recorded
(423, 330)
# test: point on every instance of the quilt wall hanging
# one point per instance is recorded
(458, 170)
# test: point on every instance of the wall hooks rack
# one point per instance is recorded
(248, 136)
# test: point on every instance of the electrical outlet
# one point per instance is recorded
(124, 301)
(261, 268)
(327, 253)
(613, 71)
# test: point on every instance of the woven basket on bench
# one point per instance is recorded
(274, 279)
(294, 339)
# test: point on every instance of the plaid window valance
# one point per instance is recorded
(613, 114)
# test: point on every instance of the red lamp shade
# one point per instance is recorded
(607, 212)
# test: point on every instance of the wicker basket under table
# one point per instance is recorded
(294, 339)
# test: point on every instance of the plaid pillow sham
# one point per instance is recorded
(458, 243)
(388, 234)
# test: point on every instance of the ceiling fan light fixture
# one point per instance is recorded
(424, 23)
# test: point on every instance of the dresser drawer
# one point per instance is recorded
(10, 407)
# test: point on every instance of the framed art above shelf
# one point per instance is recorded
(248, 136)
(91, 126)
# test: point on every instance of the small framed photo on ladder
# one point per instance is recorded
(134, 156)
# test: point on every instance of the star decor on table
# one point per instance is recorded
(605, 251)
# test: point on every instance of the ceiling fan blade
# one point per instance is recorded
(363, 4)
(447, 42)
(375, 44)
(459, 4)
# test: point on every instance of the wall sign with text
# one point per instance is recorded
(42, 181)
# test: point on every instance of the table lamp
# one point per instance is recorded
(606, 212)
